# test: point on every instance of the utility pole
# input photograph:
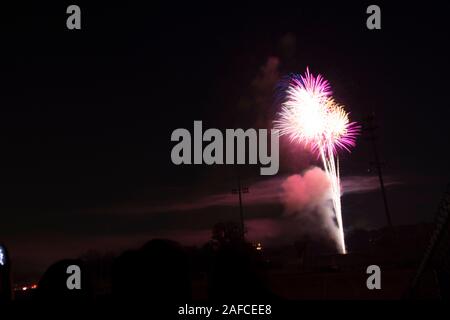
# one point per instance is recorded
(240, 190)
(370, 128)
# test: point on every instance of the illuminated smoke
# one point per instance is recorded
(307, 202)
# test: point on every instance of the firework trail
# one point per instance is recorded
(309, 115)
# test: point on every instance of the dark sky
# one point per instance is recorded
(86, 116)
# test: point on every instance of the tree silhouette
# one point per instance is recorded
(227, 233)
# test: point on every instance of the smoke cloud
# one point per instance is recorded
(308, 207)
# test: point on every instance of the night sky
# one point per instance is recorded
(86, 116)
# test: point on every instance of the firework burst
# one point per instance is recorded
(309, 115)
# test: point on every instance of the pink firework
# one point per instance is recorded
(309, 115)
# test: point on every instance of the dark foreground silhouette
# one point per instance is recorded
(160, 273)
